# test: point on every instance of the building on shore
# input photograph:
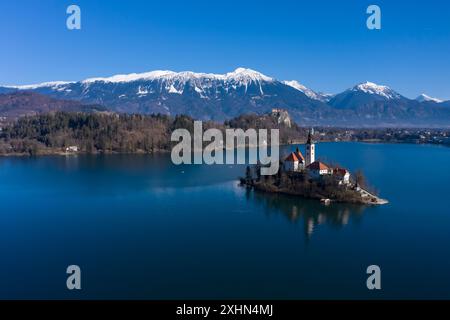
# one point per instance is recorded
(317, 169)
(72, 149)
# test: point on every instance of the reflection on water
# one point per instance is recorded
(311, 213)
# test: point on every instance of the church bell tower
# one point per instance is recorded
(310, 149)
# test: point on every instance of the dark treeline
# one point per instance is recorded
(104, 132)
(110, 132)
(90, 132)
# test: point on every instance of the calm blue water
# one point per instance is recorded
(140, 227)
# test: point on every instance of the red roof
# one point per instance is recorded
(299, 156)
(317, 165)
(340, 171)
(292, 157)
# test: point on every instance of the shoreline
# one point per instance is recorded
(161, 151)
(365, 200)
(63, 153)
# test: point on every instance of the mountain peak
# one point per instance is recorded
(246, 73)
(371, 86)
(380, 90)
(425, 98)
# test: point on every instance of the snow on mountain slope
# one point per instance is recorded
(308, 92)
(242, 75)
(372, 88)
(372, 101)
(54, 84)
(425, 98)
(165, 80)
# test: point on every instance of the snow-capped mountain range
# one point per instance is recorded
(240, 76)
(222, 96)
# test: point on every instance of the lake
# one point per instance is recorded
(140, 227)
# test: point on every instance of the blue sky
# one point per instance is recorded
(323, 44)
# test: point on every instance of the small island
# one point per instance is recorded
(306, 177)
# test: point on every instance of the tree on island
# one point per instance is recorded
(360, 179)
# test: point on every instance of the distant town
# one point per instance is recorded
(387, 135)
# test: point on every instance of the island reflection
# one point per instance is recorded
(311, 213)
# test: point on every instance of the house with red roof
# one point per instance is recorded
(318, 169)
(294, 161)
(342, 175)
(301, 159)
(291, 162)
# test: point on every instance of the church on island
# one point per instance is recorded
(295, 162)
